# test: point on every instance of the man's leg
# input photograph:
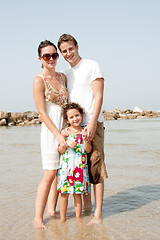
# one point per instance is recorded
(98, 196)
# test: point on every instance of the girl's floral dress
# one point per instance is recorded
(73, 174)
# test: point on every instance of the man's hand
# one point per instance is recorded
(85, 135)
(90, 129)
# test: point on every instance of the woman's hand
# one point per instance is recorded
(61, 140)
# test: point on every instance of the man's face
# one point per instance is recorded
(70, 53)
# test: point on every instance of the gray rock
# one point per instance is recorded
(3, 122)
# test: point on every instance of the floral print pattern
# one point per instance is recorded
(57, 97)
(73, 174)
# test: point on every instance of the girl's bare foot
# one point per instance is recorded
(94, 221)
(62, 220)
(78, 220)
(38, 223)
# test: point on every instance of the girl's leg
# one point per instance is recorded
(42, 195)
(63, 206)
(52, 198)
(87, 201)
(78, 205)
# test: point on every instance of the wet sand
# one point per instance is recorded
(131, 208)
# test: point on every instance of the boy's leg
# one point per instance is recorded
(63, 206)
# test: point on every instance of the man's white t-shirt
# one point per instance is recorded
(79, 85)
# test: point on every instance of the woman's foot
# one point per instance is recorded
(52, 214)
(38, 223)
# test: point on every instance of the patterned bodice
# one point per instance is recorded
(58, 97)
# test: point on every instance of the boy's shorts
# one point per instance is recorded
(96, 164)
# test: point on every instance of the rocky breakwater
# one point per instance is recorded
(130, 114)
(18, 118)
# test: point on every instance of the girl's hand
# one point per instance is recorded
(71, 144)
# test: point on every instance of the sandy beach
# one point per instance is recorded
(131, 209)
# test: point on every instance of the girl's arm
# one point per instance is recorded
(87, 147)
(38, 94)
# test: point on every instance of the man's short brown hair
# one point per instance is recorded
(66, 38)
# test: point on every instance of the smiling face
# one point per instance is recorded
(70, 52)
(48, 63)
(74, 117)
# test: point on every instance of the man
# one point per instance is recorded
(85, 84)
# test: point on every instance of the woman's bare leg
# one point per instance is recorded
(52, 198)
(42, 195)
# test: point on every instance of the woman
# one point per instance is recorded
(50, 95)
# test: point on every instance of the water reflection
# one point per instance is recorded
(73, 231)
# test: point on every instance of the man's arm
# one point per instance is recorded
(97, 87)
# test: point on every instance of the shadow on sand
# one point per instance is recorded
(130, 199)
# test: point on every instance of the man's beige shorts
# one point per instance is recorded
(97, 168)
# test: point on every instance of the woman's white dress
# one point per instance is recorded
(54, 100)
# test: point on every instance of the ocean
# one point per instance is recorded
(131, 207)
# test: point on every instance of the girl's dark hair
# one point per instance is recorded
(45, 44)
(72, 105)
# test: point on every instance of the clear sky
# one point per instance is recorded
(122, 35)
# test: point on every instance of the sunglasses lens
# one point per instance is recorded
(46, 57)
(55, 55)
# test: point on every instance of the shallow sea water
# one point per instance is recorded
(131, 208)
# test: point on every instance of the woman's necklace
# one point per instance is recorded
(54, 81)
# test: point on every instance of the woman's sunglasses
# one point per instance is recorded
(47, 56)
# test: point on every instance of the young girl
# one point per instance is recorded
(73, 177)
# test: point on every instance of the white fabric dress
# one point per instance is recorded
(55, 100)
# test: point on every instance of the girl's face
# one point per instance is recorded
(74, 117)
(52, 61)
